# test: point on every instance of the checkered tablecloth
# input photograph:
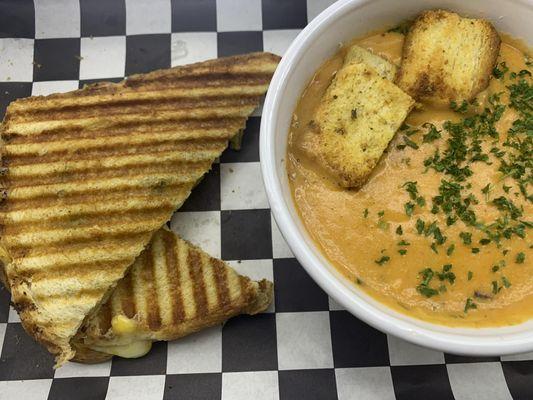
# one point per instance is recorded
(305, 346)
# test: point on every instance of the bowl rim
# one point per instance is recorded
(452, 341)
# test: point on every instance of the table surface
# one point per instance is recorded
(305, 346)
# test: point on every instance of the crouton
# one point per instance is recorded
(358, 54)
(356, 119)
(447, 57)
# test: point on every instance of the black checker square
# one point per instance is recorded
(246, 234)
(356, 344)
(206, 195)
(311, 384)
(518, 377)
(295, 290)
(193, 387)
(103, 17)
(249, 151)
(233, 43)
(86, 388)
(145, 53)
(456, 359)
(22, 357)
(56, 59)
(153, 363)
(421, 382)
(194, 15)
(84, 82)
(249, 343)
(5, 299)
(10, 91)
(17, 19)
(282, 14)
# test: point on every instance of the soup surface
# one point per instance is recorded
(441, 230)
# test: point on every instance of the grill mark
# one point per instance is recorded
(220, 273)
(18, 250)
(50, 225)
(73, 215)
(177, 167)
(125, 149)
(246, 295)
(148, 277)
(83, 271)
(191, 80)
(174, 277)
(128, 301)
(117, 128)
(196, 271)
(88, 292)
(66, 198)
(115, 106)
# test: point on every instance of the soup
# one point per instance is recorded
(396, 237)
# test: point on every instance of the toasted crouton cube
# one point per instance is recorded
(359, 54)
(447, 57)
(357, 118)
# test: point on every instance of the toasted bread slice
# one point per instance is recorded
(383, 67)
(357, 118)
(172, 290)
(447, 57)
(89, 176)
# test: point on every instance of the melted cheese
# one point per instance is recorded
(125, 328)
(335, 217)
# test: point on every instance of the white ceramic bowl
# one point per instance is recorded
(339, 23)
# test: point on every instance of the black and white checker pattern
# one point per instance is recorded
(305, 346)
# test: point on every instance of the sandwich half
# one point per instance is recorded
(89, 176)
(172, 290)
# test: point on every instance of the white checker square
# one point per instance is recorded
(334, 306)
(280, 248)
(188, 48)
(518, 357)
(315, 7)
(257, 385)
(473, 381)
(136, 387)
(45, 88)
(405, 353)
(256, 270)
(16, 63)
(57, 19)
(13, 315)
(145, 17)
(201, 228)
(241, 186)
(373, 383)
(278, 41)
(304, 340)
(36, 389)
(238, 15)
(3, 327)
(77, 370)
(103, 57)
(197, 353)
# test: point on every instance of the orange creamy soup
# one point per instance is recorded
(419, 239)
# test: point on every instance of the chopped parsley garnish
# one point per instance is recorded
(450, 249)
(382, 260)
(365, 213)
(402, 252)
(463, 108)
(475, 250)
(432, 134)
(500, 70)
(423, 288)
(470, 275)
(409, 208)
(399, 230)
(506, 282)
(470, 305)
(520, 258)
(466, 237)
